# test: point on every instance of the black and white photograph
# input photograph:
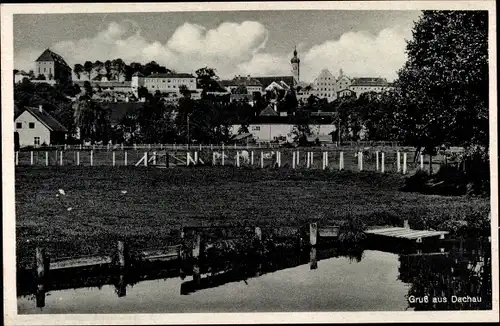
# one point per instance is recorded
(274, 162)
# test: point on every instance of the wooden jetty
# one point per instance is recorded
(406, 233)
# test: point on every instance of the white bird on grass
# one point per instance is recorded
(124, 192)
(61, 191)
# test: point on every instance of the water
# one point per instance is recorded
(374, 281)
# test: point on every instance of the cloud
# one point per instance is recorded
(359, 54)
(234, 48)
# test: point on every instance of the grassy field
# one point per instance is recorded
(95, 212)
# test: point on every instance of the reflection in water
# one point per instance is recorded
(455, 281)
(443, 277)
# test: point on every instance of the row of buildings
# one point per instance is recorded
(34, 126)
(52, 67)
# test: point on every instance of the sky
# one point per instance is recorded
(257, 43)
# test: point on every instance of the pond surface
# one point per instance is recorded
(374, 281)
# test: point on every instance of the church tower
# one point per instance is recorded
(295, 65)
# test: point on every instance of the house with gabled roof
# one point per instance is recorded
(36, 127)
(52, 66)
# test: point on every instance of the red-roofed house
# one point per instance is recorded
(36, 127)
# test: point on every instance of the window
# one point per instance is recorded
(256, 128)
(44, 70)
(32, 125)
(19, 125)
(36, 141)
(50, 70)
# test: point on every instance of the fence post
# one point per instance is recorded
(297, 157)
(251, 158)
(261, 160)
(237, 159)
(222, 159)
(91, 158)
(154, 158)
(421, 162)
(341, 161)
(125, 159)
(77, 158)
(398, 158)
(312, 158)
(308, 159)
(293, 159)
(61, 158)
(46, 158)
(114, 158)
(278, 158)
(323, 161)
(326, 159)
(404, 163)
(188, 156)
(213, 158)
(376, 161)
(31, 157)
(382, 163)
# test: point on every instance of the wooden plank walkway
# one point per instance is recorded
(406, 233)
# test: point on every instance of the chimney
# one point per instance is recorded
(40, 108)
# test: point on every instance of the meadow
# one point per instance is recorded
(147, 206)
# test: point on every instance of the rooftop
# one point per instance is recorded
(171, 75)
(268, 80)
(45, 118)
(49, 55)
(241, 81)
(370, 81)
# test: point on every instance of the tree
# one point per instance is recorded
(183, 89)
(97, 67)
(107, 67)
(118, 67)
(207, 79)
(443, 87)
(88, 88)
(87, 67)
(41, 77)
(78, 70)
(241, 89)
(92, 120)
(142, 92)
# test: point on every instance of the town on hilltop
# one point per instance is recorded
(266, 105)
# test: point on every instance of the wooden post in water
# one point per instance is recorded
(196, 258)
(293, 159)
(47, 158)
(114, 158)
(404, 163)
(122, 255)
(42, 269)
(237, 159)
(251, 158)
(261, 160)
(31, 158)
(77, 158)
(398, 159)
(61, 158)
(298, 158)
(382, 163)
(376, 161)
(341, 161)
(91, 158)
(145, 158)
(313, 241)
(222, 158)
(125, 159)
(360, 157)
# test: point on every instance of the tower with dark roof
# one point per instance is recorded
(52, 66)
(295, 61)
